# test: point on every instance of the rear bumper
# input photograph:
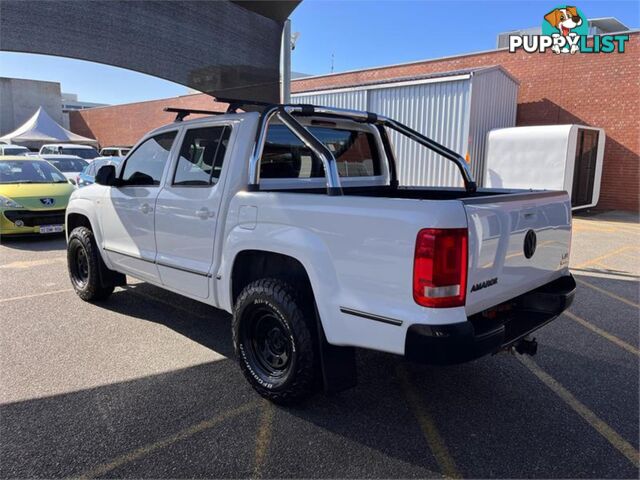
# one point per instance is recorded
(482, 334)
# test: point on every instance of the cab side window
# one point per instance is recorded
(146, 165)
(201, 156)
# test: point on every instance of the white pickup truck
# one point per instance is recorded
(292, 220)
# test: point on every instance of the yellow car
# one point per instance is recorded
(33, 196)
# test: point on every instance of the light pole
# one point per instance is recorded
(287, 44)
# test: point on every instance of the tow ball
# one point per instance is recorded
(526, 346)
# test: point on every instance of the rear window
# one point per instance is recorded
(285, 156)
(87, 153)
(15, 150)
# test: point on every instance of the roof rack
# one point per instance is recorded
(236, 103)
(185, 112)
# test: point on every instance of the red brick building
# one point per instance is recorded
(600, 90)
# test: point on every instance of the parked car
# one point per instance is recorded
(87, 176)
(13, 150)
(69, 165)
(292, 219)
(115, 151)
(33, 196)
(82, 151)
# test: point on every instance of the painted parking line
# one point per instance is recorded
(602, 226)
(429, 430)
(592, 228)
(608, 293)
(612, 338)
(145, 450)
(34, 295)
(604, 256)
(581, 409)
(613, 271)
(263, 438)
(24, 264)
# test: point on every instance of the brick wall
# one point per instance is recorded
(601, 90)
(126, 124)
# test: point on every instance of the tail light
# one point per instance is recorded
(440, 267)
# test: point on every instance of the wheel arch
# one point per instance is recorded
(337, 364)
(252, 264)
(75, 220)
(80, 214)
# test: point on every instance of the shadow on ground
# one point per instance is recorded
(494, 418)
(35, 243)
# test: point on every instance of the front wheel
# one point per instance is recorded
(274, 341)
(84, 263)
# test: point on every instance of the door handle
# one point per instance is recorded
(204, 213)
(146, 208)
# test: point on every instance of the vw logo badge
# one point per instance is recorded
(530, 242)
(47, 201)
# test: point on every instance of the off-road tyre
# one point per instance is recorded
(274, 337)
(84, 264)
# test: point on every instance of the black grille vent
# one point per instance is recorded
(34, 218)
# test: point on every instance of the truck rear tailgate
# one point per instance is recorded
(517, 242)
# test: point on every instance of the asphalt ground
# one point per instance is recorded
(145, 385)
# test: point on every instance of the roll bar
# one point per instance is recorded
(317, 147)
(285, 114)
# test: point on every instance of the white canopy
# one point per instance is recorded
(41, 129)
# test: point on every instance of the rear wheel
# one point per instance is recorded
(84, 263)
(274, 340)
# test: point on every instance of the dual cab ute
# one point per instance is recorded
(292, 220)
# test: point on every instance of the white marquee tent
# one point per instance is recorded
(41, 129)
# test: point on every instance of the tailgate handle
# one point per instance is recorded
(529, 215)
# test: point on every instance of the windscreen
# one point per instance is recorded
(69, 164)
(87, 153)
(29, 171)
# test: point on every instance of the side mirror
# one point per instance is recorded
(106, 175)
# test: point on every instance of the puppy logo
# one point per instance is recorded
(564, 19)
(566, 22)
(565, 29)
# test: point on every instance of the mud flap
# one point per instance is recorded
(339, 371)
(108, 277)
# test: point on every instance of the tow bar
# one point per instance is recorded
(526, 346)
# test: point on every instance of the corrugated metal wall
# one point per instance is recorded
(354, 99)
(456, 113)
(438, 110)
(494, 101)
